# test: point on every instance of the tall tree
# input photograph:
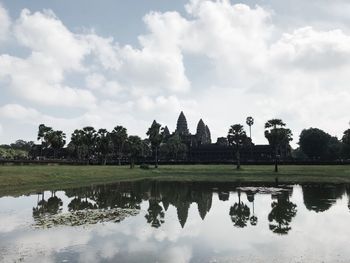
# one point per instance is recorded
(89, 136)
(174, 148)
(134, 149)
(119, 137)
(77, 142)
(237, 137)
(314, 143)
(346, 144)
(250, 122)
(155, 136)
(56, 140)
(43, 130)
(278, 137)
(103, 144)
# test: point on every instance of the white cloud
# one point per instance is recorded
(39, 80)
(252, 66)
(43, 32)
(309, 49)
(5, 23)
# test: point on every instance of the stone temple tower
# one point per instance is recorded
(181, 126)
(203, 133)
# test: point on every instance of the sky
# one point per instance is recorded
(70, 64)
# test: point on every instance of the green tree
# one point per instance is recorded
(89, 136)
(278, 137)
(155, 136)
(56, 140)
(77, 143)
(174, 148)
(237, 137)
(314, 143)
(134, 149)
(43, 130)
(119, 137)
(346, 144)
(103, 144)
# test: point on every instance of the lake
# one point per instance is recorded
(152, 221)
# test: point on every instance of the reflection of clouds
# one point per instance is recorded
(44, 243)
(10, 223)
(178, 254)
(314, 236)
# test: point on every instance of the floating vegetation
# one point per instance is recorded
(84, 217)
(265, 190)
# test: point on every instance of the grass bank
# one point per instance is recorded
(32, 178)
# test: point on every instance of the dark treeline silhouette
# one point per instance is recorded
(100, 146)
(161, 195)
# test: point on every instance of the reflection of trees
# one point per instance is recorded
(320, 198)
(129, 195)
(53, 205)
(281, 214)
(253, 219)
(155, 215)
(239, 213)
(79, 204)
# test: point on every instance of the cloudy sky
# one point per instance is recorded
(70, 64)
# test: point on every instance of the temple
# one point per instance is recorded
(200, 147)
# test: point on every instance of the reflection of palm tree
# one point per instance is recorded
(155, 214)
(253, 219)
(282, 214)
(239, 213)
(52, 206)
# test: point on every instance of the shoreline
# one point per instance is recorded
(19, 180)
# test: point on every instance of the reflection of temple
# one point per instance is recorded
(160, 196)
(201, 148)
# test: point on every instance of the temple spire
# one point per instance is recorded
(181, 126)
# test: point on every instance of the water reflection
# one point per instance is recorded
(152, 221)
(320, 198)
(239, 213)
(160, 195)
(281, 214)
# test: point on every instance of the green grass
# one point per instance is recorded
(31, 178)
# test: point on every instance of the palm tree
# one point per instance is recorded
(134, 148)
(77, 141)
(42, 134)
(346, 144)
(89, 136)
(278, 136)
(155, 136)
(119, 137)
(56, 140)
(250, 122)
(103, 140)
(237, 137)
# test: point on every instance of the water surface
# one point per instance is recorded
(178, 222)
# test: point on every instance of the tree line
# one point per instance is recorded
(91, 145)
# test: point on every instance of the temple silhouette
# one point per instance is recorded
(200, 147)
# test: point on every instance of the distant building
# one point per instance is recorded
(201, 148)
